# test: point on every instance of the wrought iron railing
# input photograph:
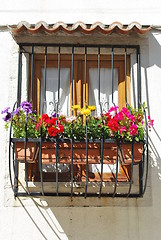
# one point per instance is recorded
(143, 164)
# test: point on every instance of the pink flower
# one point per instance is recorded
(60, 128)
(150, 122)
(118, 117)
(70, 119)
(132, 118)
(126, 112)
(122, 129)
(133, 130)
(113, 109)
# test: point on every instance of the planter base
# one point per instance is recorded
(125, 153)
(31, 151)
(79, 153)
(79, 159)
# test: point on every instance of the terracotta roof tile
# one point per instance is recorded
(79, 26)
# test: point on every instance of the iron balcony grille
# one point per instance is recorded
(142, 165)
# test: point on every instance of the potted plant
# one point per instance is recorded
(22, 115)
(26, 124)
(124, 128)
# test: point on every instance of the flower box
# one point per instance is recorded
(79, 153)
(64, 152)
(125, 152)
(31, 151)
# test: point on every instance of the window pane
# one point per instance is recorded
(105, 88)
(106, 100)
(52, 90)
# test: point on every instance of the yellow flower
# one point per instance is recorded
(75, 107)
(92, 108)
(85, 111)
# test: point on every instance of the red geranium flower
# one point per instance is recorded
(113, 125)
(52, 121)
(45, 117)
(52, 131)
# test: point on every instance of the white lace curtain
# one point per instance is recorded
(52, 90)
(105, 88)
(64, 106)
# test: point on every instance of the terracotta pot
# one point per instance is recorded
(79, 156)
(125, 152)
(31, 151)
(79, 153)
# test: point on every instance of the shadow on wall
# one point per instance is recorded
(53, 221)
(47, 226)
(150, 60)
(153, 59)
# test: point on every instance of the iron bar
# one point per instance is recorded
(132, 167)
(72, 123)
(112, 75)
(80, 45)
(19, 77)
(57, 140)
(9, 165)
(25, 145)
(58, 79)
(138, 77)
(45, 65)
(101, 160)
(99, 80)
(16, 165)
(85, 74)
(32, 73)
(125, 77)
(40, 162)
(57, 160)
(63, 194)
(117, 164)
(87, 167)
(99, 100)
(42, 110)
(139, 105)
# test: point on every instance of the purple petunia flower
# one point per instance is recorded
(7, 117)
(54, 115)
(17, 111)
(5, 110)
(26, 106)
(7, 114)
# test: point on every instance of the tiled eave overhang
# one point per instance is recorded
(79, 26)
(77, 33)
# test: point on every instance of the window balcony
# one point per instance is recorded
(99, 160)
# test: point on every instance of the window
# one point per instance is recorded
(92, 82)
(72, 64)
(87, 70)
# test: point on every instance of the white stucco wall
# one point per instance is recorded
(106, 11)
(55, 218)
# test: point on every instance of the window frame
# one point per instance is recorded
(79, 80)
(79, 95)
